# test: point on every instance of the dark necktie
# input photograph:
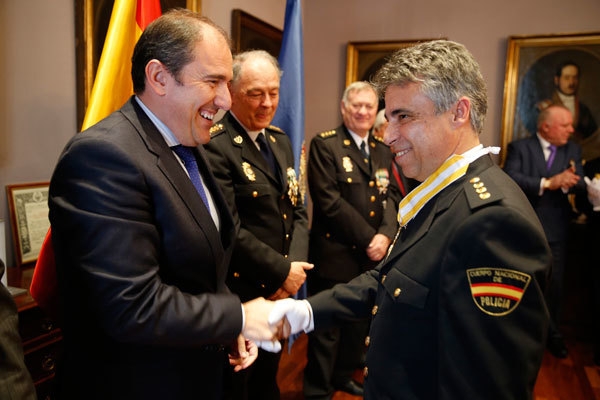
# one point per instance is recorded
(189, 161)
(551, 156)
(363, 150)
(265, 150)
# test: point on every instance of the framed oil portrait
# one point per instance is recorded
(546, 69)
(28, 208)
(251, 33)
(363, 59)
(91, 24)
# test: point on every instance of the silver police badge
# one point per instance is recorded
(249, 171)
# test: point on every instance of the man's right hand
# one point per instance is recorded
(296, 276)
(256, 325)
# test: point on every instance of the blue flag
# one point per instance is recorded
(290, 112)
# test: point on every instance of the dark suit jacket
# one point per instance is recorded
(15, 381)
(350, 203)
(141, 267)
(525, 163)
(273, 231)
(442, 326)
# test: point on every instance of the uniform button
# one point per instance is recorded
(374, 310)
(365, 372)
(327, 235)
(373, 198)
(372, 214)
(287, 236)
(262, 285)
(284, 216)
(383, 278)
(255, 194)
(397, 292)
(349, 180)
(283, 197)
(371, 184)
(236, 274)
(367, 341)
(285, 256)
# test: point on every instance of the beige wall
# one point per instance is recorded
(37, 72)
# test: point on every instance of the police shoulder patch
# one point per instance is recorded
(497, 291)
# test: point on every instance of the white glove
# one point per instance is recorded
(273, 347)
(593, 192)
(297, 312)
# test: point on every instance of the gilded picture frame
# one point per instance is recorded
(28, 208)
(251, 33)
(532, 62)
(363, 59)
(91, 23)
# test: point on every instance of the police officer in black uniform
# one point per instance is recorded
(254, 165)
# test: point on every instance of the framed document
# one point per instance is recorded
(28, 207)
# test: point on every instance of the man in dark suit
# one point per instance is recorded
(271, 251)
(547, 167)
(141, 250)
(354, 221)
(15, 381)
(457, 305)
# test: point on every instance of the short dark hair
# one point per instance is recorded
(170, 39)
(564, 64)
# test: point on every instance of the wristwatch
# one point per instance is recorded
(546, 184)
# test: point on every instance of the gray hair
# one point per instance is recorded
(547, 112)
(379, 119)
(240, 58)
(357, 86)
(446, 71)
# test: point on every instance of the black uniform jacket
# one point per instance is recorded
(457, 307)
(268, 207)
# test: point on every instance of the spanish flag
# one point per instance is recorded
(112, 85)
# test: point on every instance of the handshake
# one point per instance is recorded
(266, 322)
(593, 191)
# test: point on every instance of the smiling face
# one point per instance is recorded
(359, 111)
(190, 102)
(255, 95)
(420, 140)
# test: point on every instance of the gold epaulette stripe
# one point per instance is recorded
(215, 128)
(327, 134)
